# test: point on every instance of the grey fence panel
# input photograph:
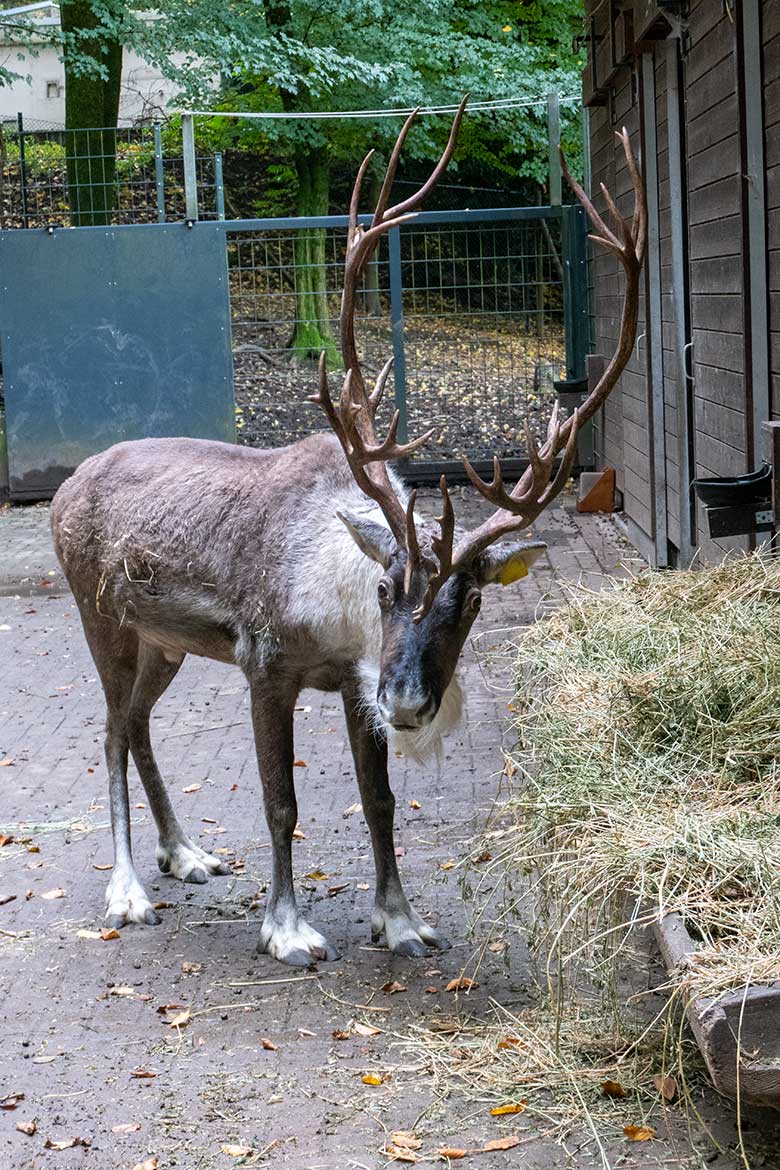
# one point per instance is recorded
(472, 303)
(110, 334)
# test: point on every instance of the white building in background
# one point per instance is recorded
(41, 100)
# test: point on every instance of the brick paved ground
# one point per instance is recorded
(80, 1014)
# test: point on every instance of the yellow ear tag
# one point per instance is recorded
(513, 571)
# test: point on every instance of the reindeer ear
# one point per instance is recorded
(373, 539)
(502, 564)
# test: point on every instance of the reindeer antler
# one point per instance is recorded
(353, 419)
(535, 490)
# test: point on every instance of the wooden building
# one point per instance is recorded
(698, 86)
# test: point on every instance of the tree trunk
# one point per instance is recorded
(91, 114)
(312, 333)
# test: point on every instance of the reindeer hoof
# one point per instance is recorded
(188, 862)
(126, 902)
(411, 947)
(405, 932)
(295, 942)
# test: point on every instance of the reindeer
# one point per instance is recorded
(306, 567)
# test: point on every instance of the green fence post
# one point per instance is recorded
(553, 146)
(158, 172)
(219, 185)
(576, 319)
(397, 319)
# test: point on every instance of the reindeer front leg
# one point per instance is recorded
(403, 928)
(284, 934)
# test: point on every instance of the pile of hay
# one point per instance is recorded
(649, 718)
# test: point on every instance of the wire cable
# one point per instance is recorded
(316, 115)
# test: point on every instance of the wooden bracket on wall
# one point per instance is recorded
(597, 491)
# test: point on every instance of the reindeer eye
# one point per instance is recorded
(474, 601)
(384, 592)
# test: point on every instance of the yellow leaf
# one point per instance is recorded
(181, 1020)
(414, 804)
(447, 865)
(237, 1151)
(317, 875)
(148, 1164)
(501, 1110)
(612, 1089)
(372, 1079)
(366, 1030)
(507, 28)
(638, 1133)
(108, 933)
(462, 983)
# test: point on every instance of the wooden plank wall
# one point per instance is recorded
(771, 62)
(712, 168)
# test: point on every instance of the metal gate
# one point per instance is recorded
(115, 333)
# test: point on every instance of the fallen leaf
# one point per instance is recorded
(362, 886)
(414, 804)
(338, 1034)
(50, 895)
(372, 1079)
(269, 1045)
(366, 1030)
(462, 983)
(28, 1127)
(66, 1143)
(8, 762)
(612, 1089)
(451, 1152)
(638, 1133)
(405, 1139)
(393, 987)
(108, 933)
(6, 898)
(142, 1074)
(298, 834)
(399, 1153)
(300, 764)
(121, 990)
(237, 1151)
(317, 875)
(126, 1127)
(502, 1110)
(333, 890)
(498, 946)
(43, 1059)
(666, 1085)
(11, 1100)
(302, 1032)
(6, 839)
(447, 865)
(33, 848)
(192, 788)
(88, 934)
(191, 968)
(181, 1020)
(400, 851)
(149, 1164)
(353, 808)
(209, 821)
(511, 1042)
(431, 990)
(504, 1143)
(483, 857)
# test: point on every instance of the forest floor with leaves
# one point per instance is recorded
(180, 1046)
(471, 378)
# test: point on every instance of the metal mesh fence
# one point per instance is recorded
(49, 175)
(483, 334)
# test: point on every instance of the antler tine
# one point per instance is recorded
(442, 544)
(420, 196)
(379, 386)
(354, 201)
(392, 166)
(535, 489)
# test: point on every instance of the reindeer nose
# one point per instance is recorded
(404, 715)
